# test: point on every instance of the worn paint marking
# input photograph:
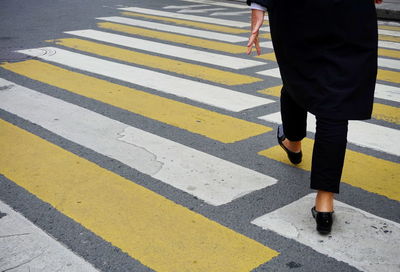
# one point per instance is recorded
(175, 38)
(210, 124)
(381, 178)
(207, 26)
(161, 63)
(150, 228)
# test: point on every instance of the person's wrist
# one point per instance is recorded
(257, 6)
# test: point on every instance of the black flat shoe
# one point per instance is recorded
(294, 157)
(324, 221)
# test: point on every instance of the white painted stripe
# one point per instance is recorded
(383, 44)
(230, 13)
(209, 178)
(386, 23)
(271, 72)
(218, 3)
(265, 28)
(389, 63)
(197, 91)
(199, 10)
(360, 133)
(185, 6)
(169, 50)
(387, 92)
(363, 240)
(188, 17)
(391, 45)
(267, 44)
(175, 29)
(389, 32)
(381, 91)
(25, 247)
(384, 62)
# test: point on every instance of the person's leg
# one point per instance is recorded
(327, 162)
(294, 121)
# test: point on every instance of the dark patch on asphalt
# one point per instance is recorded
(2, 214)
(10, 56)
(292, 265)
(6, 87)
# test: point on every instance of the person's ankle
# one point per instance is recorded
(294, 146)
(324, 201)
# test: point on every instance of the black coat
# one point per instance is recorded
(327, 54)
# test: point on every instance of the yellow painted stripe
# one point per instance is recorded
(380, 112)
(360, 170)
(274, 91)
(268, 56)
(212, 27)
(389, 53)
(381, 52)
(389, 38)
(220, 127)
(197, 42)
(266, 36)
(395, 28)
(387, 113)
(150, 228)
(166, 64)
(387, 75)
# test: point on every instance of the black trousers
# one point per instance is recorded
(329, 146)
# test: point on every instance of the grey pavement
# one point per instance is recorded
(388, 10)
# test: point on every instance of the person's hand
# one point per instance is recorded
(378, 1)
(257, 19)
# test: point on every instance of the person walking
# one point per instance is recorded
(327, 56)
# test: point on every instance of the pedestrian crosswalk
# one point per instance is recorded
(391, 45)
(161, 63)
(187, 71)
(225, 61)
(378, 137)
(196, 120)
(149, 227)
(195, 18)
(387, 92)
(213, 180)
(199, 10)
(382, 91)
(198, 25)
(176, 29)
(201, 92)
(388, 75)
(348, 246)
(354, 173)
(175, 38)
(32, 248)
(218, 3)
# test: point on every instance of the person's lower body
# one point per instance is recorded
(328, 154)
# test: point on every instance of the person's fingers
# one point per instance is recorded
(252, 41)
(250, 46)
(249, 49)
(252, 38)
(258, 47)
